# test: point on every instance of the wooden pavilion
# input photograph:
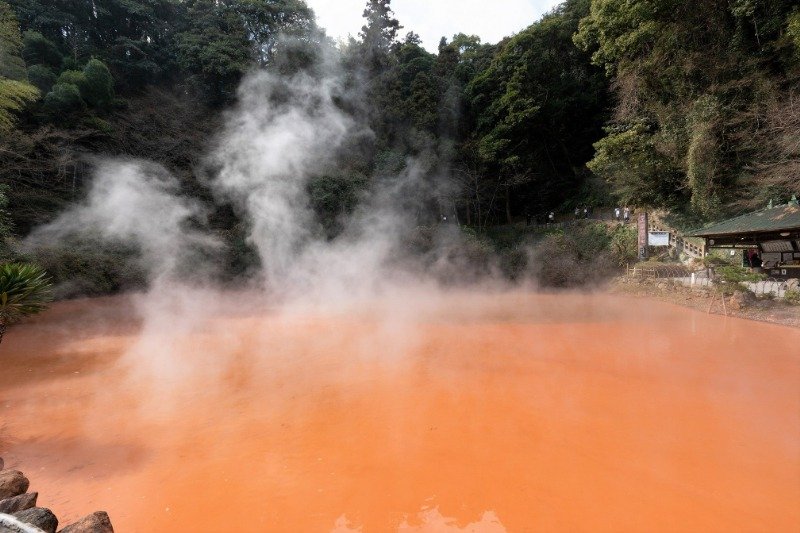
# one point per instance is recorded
(773, 233)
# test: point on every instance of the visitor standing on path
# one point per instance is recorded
(627, 215)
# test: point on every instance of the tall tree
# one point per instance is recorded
(225, 38)
(379, 34)
(537, 108)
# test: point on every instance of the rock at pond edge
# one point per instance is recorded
(40, 517)
(18, 503)
(12, 483)
(97, 522)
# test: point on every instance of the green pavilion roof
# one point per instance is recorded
(780, 218)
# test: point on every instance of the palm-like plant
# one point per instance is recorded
(24, 290)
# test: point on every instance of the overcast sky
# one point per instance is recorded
(491, 20)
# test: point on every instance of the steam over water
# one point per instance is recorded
(347, 391)
(417, 411)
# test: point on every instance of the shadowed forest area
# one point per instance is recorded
(692, 107)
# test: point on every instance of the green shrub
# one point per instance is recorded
(70, 63)
(578, 257)
(38, 50)
(736, 274)
(14, 97)
(90, 268)
(792, 296)
(624, 245)
(513, 263)
(72, 77)
(95, 83)
(98, 124)
(98, 86)
(63, 98)
(42, 77)
(732, 277)
(24, 290)
(334, 197)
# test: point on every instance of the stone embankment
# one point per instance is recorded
(19, 513)
(740, 304)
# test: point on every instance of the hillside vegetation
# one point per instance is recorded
(693, 107)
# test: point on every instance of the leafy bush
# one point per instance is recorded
(736, 274)
(579, 257)
(42, 77)
(98, 86)
(333, 197)
(94, 83)
(732, 277)
(24, 290)
(85, 269)
(63, 99)
(98, 124)
(624, 244)
(14, 96)
(38, 50)
(72, 77)
(792, 296)
(793, 30)
(70, 63)
(452, 256)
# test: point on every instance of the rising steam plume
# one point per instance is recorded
(282, 131)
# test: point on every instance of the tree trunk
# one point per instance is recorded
(2, 330)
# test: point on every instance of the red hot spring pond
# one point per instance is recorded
(419, 411)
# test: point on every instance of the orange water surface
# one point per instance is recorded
(455, 412)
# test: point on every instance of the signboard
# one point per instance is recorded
(658, 238)
(642, 241)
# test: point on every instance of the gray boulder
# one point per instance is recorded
(9, 524)
(18, 503)
(742, 299)
(12, 483)
(94, 523)
(40, 517)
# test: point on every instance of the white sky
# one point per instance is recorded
(491, 20)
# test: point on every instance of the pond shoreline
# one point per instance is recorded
(740, 305)
(19, 512)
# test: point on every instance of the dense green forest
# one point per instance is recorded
(689, 106)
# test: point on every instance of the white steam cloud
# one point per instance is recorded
(282, 131)
(139, 204)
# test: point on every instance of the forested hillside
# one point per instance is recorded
(706, 116)
(692, 106)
